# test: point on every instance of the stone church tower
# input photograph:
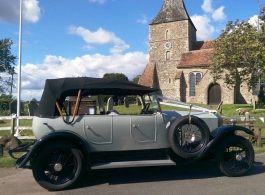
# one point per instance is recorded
(179, 64)
(171, 34)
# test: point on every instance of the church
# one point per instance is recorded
(178, 63)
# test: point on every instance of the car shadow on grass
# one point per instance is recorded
(199, 170)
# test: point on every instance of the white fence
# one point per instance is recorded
(20, 128)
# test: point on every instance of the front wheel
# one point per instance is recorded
(58, 166)
(235, 156)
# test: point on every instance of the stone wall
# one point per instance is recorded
(228, 95)
(179, 41)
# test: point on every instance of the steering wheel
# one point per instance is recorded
(145, 109)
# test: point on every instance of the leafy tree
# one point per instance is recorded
(115, 76)
(7, 62)
(136, 79)
(261, 98)
(239, 53)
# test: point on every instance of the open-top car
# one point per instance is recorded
(70, 142)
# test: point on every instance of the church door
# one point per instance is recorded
(214, 94)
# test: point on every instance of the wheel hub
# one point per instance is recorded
(189, 137)
(58, 167)
(239, 157)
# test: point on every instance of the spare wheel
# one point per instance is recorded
(188, 136)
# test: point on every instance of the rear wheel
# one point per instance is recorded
(58, 166)
(235, 156)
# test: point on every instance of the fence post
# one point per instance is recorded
(14, 116)
(1, 150)
(259, 137)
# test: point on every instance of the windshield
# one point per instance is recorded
(154, 101)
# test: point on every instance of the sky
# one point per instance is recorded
(71, 38)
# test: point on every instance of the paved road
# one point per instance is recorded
(200, 179)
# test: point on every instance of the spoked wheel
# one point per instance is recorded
(188, 136)
(58, 166)
(235, 156)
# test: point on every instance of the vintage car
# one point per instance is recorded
(69, 144)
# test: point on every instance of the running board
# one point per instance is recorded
(125, 164)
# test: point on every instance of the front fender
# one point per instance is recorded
(55, 136)
(221, 133)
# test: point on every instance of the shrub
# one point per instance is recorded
(261, 98)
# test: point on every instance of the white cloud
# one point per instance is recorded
(9, 11)
(33, 75)
(218, 14)
(143, 20)
(255, 21)
(99, 37)
(31, 10)
(204, 28)
(211, 22)
(207, 6)
(98, 1)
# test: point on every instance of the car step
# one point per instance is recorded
(125, 164)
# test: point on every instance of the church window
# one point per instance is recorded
(169, 80)
(168, 55)
(194, 78)
(167, 35)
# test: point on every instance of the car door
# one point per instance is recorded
(143, 128)
(99, 129)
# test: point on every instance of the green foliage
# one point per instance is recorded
(7, 62)
(238, 53)
(136, 79)
(261, 98)
(119, 76)
(4, 104)
(115, 76)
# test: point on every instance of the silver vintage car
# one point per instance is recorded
(70, 143)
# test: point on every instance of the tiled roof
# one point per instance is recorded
(202, 45)
(171, 11)
(196, 58)
(147, 78)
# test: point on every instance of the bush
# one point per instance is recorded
(261, 98)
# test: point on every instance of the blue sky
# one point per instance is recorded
(65, 38)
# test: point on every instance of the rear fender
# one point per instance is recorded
(53, 137)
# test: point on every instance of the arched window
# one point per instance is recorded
(167, 35)
(169, 80)
(168, 55)
(194, 78)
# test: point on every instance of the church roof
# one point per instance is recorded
(171, 11)
(202, 45)
(148, 76)
(201, 56)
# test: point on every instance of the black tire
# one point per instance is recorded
(187, 138)
(235, 156)
(58, 166)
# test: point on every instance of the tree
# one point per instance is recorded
(136, 79)
(7, 62)
(239, 53)
(115, 76)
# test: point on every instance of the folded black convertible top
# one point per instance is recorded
(59, 89)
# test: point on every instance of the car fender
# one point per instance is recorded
(51, 137)
(221, 133)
